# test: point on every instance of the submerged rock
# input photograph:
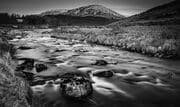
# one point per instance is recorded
(40, 67)
(103, 73)
(24, 47)
(100, 62)
(27, 64)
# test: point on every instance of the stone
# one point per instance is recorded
(24, 47)
(40, 67)
(80, 50)
(28, 64)
(74, 85)
(100, 62)
(103, 73)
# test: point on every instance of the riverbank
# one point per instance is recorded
(157, 41)
(120, 78)
(13, 89)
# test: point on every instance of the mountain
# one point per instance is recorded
(92, 15)
(54, 12)
(165, 14)
(66, 20)
(96, 11)
(90, 10)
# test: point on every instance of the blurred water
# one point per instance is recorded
(138, 80)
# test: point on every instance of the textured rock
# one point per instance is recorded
(100, 62)
(27, 64)
(24, 47)
(103, 73)
(75, 86)
(40, 67)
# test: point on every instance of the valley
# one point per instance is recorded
(136, 79)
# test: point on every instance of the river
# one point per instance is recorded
(138, 80)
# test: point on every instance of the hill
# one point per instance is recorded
(161, 15)
(154, 32)
(54, 12)
(96, 11)
(90, 10)
(92, 15)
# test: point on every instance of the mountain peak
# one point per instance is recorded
(95, 10)
(54, 12)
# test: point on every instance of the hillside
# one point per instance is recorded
(95, 10)
(154, 32)
(66, 20)
(161, 15)
(90, 10)
(54, 12)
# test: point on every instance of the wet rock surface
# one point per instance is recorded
(102, 76)
(103, 73)
(74, 85)
(100, 63)
(40, 67)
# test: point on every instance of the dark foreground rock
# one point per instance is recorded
(28, 64)
(103, 73)
(74, 85)
(40, 67)
(100, 63)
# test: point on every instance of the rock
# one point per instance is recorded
(26, 75)
(24, 47)
(28, 64)
(40, 67)
(4, 46)
(80, 50)
(103, 73)
(74, 85)
(100, 62)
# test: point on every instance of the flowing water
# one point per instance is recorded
(137, 80)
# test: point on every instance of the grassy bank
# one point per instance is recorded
(13, 89)
(155, 40)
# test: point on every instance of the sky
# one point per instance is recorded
(124, 7)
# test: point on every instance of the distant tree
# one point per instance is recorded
(4, 18)
(34, 20)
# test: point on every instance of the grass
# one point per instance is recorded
(155, 40)
(13, 89)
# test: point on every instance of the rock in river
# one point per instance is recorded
(75, 85)
(40, 67)
(27, 64)
(103, 73)
(100, 62)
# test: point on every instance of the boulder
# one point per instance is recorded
(100, 62)
(74, 85)
(40, 67)
(28, 64)
(103, 73)
(4, 46)
(24, 47)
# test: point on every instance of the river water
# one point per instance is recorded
(138, 80)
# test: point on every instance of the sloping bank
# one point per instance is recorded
(13, 90)
(158, 41)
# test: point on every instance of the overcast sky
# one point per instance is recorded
(124, 7)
